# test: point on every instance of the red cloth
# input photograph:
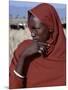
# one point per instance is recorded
(43, 71)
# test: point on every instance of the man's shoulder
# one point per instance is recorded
(25, 43)
(22, 46)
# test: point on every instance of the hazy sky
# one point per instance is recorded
(21, 7)
(25, 3)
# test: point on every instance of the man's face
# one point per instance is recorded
(38, 30)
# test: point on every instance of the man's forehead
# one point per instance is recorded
(36, 21)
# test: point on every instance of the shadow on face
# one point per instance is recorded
(38, 30)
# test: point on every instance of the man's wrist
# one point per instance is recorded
(16, 73)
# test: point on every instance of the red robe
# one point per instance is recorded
(43, 71)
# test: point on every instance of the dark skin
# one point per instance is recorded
(38, 30)
(40, 34)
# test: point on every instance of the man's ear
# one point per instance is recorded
(51, 30)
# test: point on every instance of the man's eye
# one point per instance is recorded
(35, 28)
(38, 28)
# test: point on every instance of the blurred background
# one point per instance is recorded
(18, 28)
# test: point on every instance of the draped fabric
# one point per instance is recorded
(43, 71)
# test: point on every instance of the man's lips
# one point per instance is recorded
(35, 38)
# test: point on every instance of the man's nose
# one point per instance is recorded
(33, 34)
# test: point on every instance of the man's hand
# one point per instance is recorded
(30, 50)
